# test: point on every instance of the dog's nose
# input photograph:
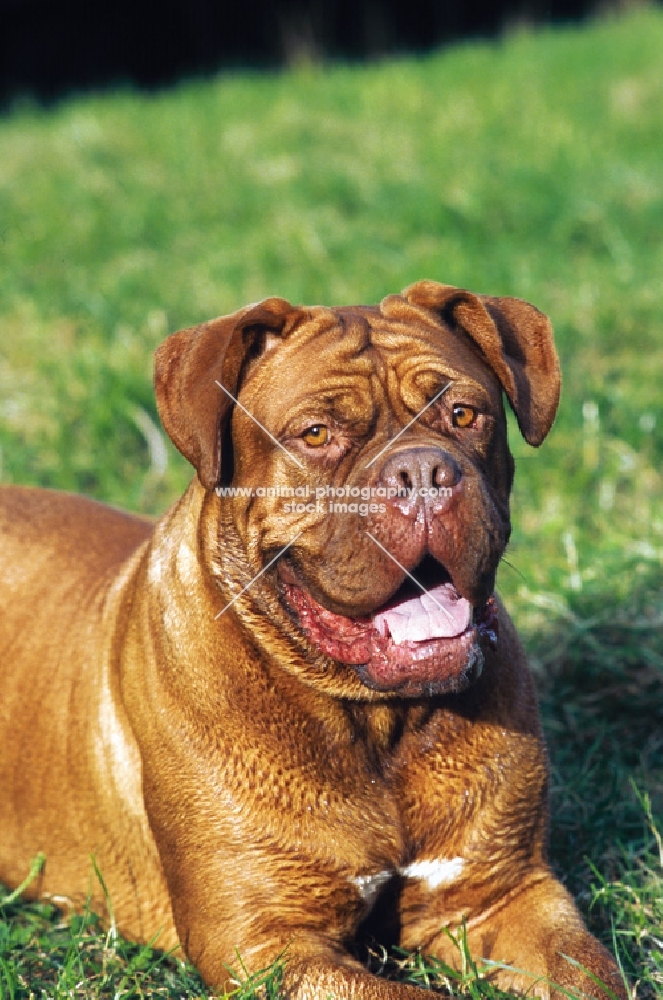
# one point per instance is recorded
(414, 471)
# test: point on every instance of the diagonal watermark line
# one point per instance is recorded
(258, 575)
(407, 573)
(403, 429)
(257, 422)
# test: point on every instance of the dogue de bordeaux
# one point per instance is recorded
(294, 703)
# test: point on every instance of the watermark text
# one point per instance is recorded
(307, 499)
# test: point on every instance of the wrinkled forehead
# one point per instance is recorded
(345, 351)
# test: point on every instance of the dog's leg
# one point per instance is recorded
(314, 979)
(539, 933)
(314, 968)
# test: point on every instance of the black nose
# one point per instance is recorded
(420, 468)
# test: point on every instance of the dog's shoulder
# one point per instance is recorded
(66, 527)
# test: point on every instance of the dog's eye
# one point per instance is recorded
(464, 416)
(316, 436)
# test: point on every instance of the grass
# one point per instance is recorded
(532, 166)
(600, 672)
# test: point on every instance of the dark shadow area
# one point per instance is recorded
(600, 679)
(49, 49)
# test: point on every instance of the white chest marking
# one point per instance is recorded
(442, 871)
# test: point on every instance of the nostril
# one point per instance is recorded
(446, 473)
(414, 469)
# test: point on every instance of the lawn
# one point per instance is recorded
(531, 166)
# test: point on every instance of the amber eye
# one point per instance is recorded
(464, 416)
(316, 436)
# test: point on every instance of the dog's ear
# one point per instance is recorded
(189, 366)
(515, 339)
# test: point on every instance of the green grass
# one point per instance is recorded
(532, 166)
(600, 673)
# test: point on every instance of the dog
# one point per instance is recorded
(294, 706)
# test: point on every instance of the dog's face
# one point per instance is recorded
(370, 445)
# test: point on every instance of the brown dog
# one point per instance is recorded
(249, 713)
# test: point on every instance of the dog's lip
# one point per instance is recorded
(348, 629)
(432, 662)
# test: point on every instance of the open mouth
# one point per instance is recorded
(419, 642)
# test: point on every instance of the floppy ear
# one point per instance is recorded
(515, 339)
(193, 408)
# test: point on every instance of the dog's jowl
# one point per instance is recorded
(295, 701)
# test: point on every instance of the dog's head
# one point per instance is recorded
(369, 443)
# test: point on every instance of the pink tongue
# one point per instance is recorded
(439, 613)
